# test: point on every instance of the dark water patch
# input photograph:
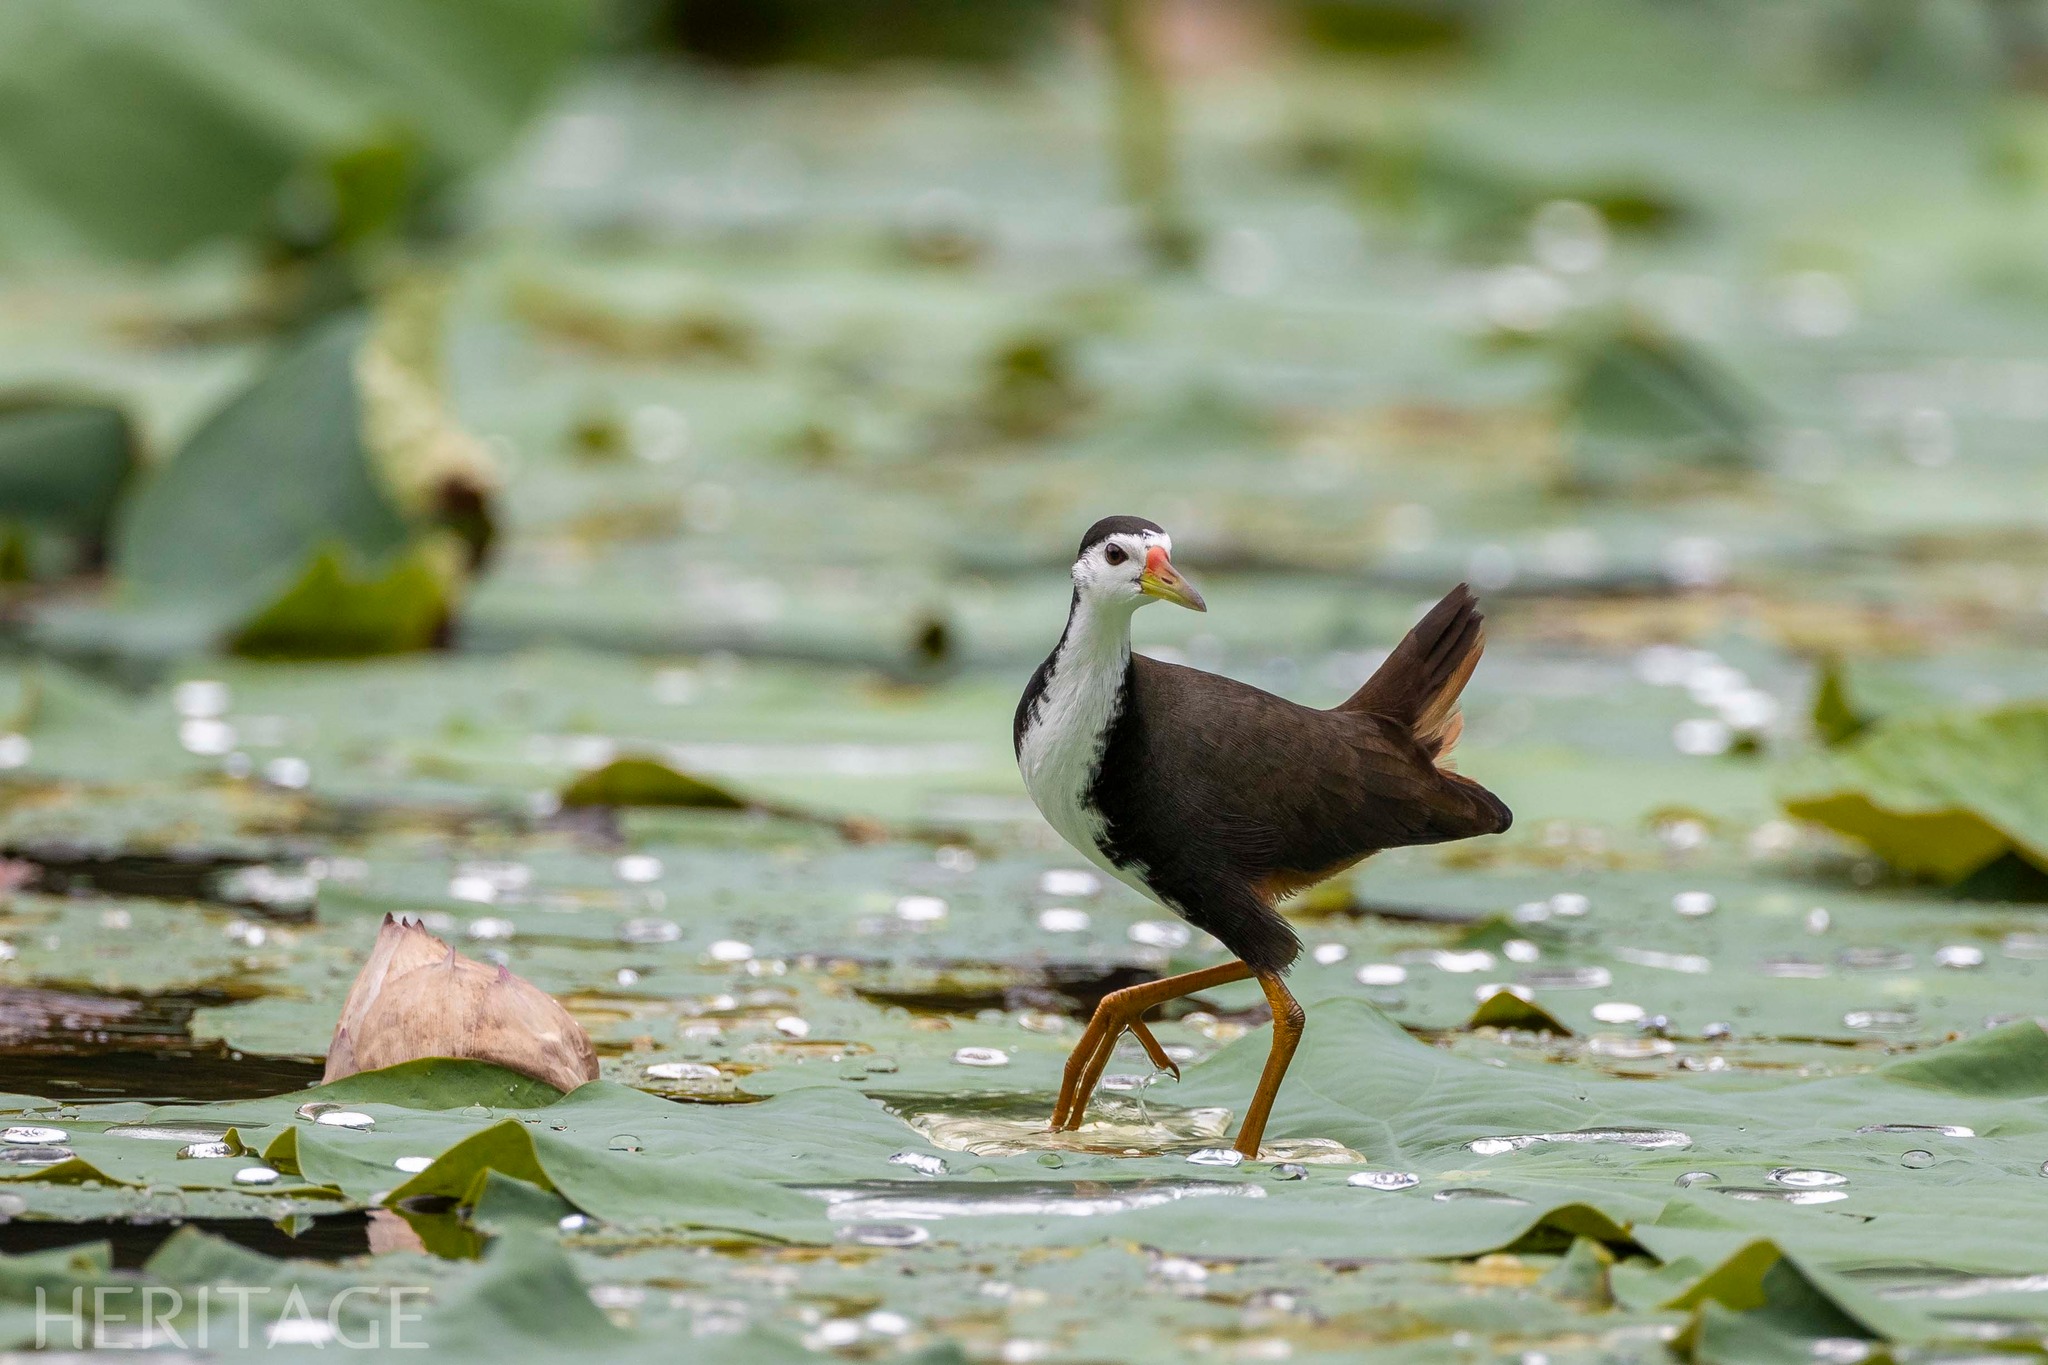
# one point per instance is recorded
(333, 1237)
(70, 1045)
(258, 885)
(1021, 1106)
(1401, 912)
(33, 1017)
(994, 1104)
(1072, 989)
(180, 1074)
(923, 1201)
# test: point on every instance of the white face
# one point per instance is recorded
(1109, 572)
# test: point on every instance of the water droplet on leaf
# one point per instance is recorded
(1216, 1156)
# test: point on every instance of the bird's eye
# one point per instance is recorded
(1115, 554)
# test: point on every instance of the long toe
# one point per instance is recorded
(1103, 1050)
(1153, 1050)
(1091, 1056)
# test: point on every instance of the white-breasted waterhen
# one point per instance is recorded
(1216, 799)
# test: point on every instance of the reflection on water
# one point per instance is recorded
(1761, 1193)
(1646, 1138)
(1936, 1283)
(869, 1201)
(1015, 1125)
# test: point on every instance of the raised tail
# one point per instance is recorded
(1419, 684)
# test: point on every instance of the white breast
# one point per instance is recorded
(1064, 735)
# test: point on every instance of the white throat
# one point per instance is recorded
(1069, 724)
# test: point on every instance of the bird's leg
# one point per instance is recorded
(1288, 1019)
(1118, 1011)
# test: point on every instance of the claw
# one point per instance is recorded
(1153, 1050)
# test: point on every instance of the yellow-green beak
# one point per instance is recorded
(1163, 581)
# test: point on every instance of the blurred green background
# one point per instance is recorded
(811, 334)
(450, 446)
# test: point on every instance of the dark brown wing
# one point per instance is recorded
(1290, 789)
(1229, 797)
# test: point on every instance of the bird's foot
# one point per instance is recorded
(1118, 1011)
(1098, 1043)
(1086, 1062)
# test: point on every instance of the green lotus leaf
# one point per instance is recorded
(231, 105)
(1938, 794)
(334, 613)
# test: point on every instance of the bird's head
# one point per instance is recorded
(1125, 561)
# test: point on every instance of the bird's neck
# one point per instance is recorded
(1097, 643)
(1066, 721)
(1068, 710)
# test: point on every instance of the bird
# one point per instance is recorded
(1217, 800)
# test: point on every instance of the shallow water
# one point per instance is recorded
(925, 1201)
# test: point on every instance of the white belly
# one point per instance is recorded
(1058, 758)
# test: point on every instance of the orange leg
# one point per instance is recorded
(1120, 1010)
(1288, 1020)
